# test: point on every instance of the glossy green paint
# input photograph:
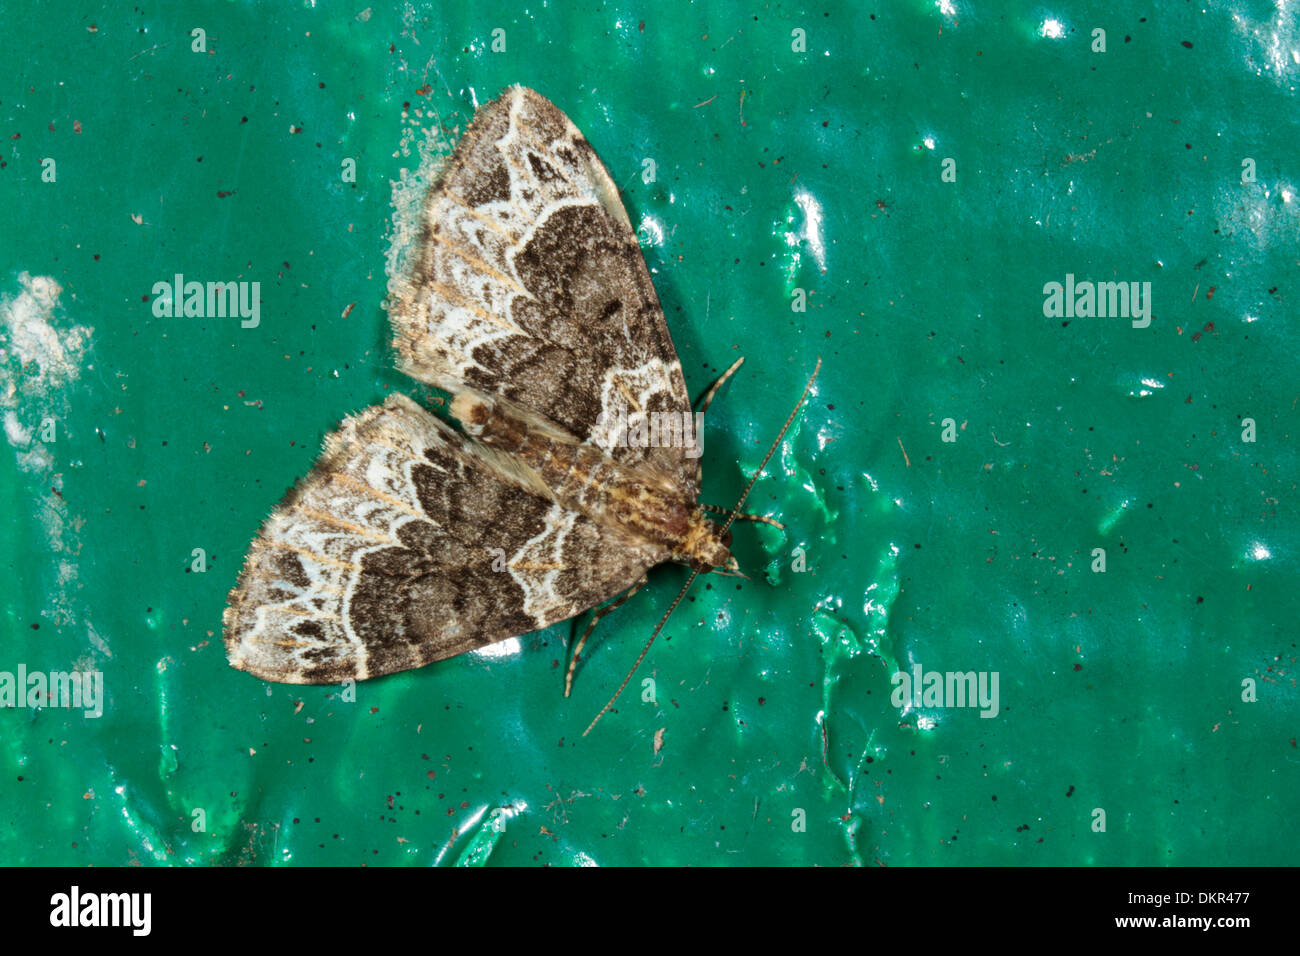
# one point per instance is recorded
(776, 171)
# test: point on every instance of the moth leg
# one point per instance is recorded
(599, 613)
(707, 400)
(744, 516)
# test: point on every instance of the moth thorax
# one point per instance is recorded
(703, 548)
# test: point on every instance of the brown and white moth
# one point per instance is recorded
(527, 300)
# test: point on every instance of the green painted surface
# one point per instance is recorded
(1119, 690)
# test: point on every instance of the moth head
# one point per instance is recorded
(720, 561)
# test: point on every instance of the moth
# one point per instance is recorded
(528, 301)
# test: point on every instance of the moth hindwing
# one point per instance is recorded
(410, 541)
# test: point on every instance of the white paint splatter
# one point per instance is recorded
(408, 194)
(47, 358)
(18, 436)
(39, 359)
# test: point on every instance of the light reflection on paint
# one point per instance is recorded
(650, 231)
(507, 648)
(1278, 41)
(812, 226)
(1149, 387)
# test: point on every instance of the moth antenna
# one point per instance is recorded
(644, 651)
(771, 451)
(745, 517)
(731, 574)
